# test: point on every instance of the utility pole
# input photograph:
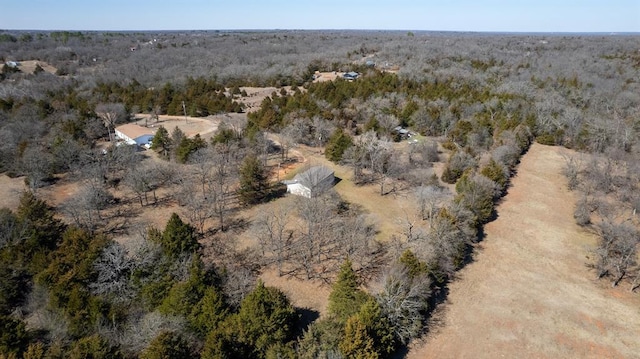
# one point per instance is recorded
(184, 109)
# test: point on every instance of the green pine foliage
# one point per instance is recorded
(338, 143)
(263, 327)
(95, 347)
(497, 173)
(202, 97)
(178, 237)
(187, 146)
(68, 277)
(266, 318)
(368, 334)
(414, 266)
(476, 196)
(167, 345)
(14, 337)
(209, 312)
(346, 297)
(162, 142)
(253, 181)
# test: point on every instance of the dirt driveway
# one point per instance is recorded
(529, 293)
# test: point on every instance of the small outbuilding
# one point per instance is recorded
(350, 76)
(312, 182)
(133, 134)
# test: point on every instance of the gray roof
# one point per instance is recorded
(311, 177)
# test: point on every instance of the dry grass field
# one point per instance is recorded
(529, 293)
(10, 190)
(29, 66)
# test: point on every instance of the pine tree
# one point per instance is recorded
(357, 343)
(178, 237)
(338, 143)
(161, 142)
(167, 345)
(253, 181)
(368, 334)
(346, 297)
(209, 312)
(266, 318)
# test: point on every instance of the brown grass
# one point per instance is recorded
(529, 293)
(10, 191)
(29, 66)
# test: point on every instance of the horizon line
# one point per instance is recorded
(336, 29)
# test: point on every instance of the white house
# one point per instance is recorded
(133, 134)
(312, 182)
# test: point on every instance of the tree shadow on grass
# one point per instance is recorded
(306, 317)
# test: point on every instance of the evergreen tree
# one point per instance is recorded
(357, 343)
(94, 347)
(13, 337)
(178, 237)
(338, 143)
(167, 345)
(68, 276)
(266, 318)
(497, 173)
(161, 142)
(43, 231)
(253, 181)
(346, 297)
(188, 146)
(414, 266)
(209, 312)
(367, 334)
(38, 69)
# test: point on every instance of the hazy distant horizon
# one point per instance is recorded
(501, 16)
(403, 31)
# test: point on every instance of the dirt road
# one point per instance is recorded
(529, 293)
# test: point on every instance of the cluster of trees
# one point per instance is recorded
(196, 97)
(308, 237)
(84, 295)
(608, 206)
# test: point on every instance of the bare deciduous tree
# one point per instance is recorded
(403, 300)
(270, 228)
(429, 199)
(111, 114)
(114, 268)
(617, 250)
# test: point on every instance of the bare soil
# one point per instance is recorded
(529, 292)
(255, 95)
(10, 191)
(189, 125)
(29, 66)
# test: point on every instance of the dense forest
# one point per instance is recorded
(471, 102)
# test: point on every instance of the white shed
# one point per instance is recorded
(312, 182)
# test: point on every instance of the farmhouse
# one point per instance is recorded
(133, 134)
(312, 182)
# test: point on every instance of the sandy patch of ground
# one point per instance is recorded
(189, 125)
(529, 293)
(10, 191)
(29, 66)
(311, 295)
(255, 95)
(326, 76)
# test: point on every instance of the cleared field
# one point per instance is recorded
(529, 293)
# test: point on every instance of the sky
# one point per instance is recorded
(444, 15)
